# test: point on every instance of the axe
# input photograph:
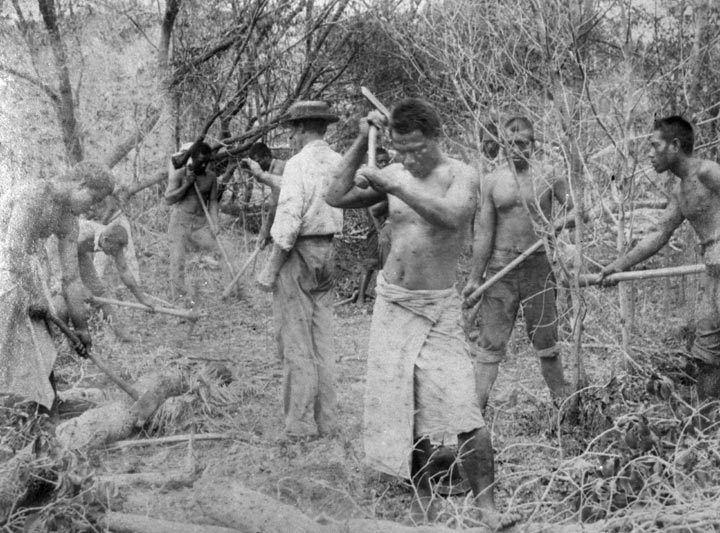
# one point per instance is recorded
(361, 182)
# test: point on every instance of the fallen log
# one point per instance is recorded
(131, 523)
(227, 501)
(95, 427)
(586, 280)
(117, 420)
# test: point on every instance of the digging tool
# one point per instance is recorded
(183, 313)
(501, 274)
(374, 101)
(214, 230)
(82, 350)
(587, 280)
(232, 283)
(361, 182)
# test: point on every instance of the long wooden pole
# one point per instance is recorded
(183, 313)
(214, 230)
(587, 280)
(232, 283)
(501, 274)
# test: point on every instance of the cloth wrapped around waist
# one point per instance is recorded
(420, 378)
(27, 352)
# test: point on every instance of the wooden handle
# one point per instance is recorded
(499, 275)
(361, 182)
(183, 313)
(232, 283)
(587, 280)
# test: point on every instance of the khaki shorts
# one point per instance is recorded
(530, 286)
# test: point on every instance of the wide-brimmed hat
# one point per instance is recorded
(310, 109)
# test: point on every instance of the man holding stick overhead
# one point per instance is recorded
(189, 189)
(299, 271)
(695, 198)
(514, 198)
(420, 383)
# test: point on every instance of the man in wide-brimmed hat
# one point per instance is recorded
(299, 272)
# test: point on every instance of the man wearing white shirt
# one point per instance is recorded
(299, 271)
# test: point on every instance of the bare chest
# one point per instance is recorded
(511, 193)
(696, 201)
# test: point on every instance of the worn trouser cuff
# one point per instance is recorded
(483, 355)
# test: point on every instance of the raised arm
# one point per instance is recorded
(450, 210)
(266, 177)
(651, 243)
(342, 191)
(178, 184)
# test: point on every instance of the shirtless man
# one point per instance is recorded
(515, 198)
(420, 376)
(29, 214)
(109, 212)
(696, 197)
(113, 241)
(188, 225)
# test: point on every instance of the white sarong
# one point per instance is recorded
(420, 378)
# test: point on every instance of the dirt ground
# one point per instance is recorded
(325, 478)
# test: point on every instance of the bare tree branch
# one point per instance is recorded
(44, 87)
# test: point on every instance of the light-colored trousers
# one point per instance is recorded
(187, 232)
(302, 305)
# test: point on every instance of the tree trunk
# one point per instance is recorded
(168, 121)
(130, 523)
(65, 105)
(230, 503)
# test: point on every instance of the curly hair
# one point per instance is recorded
(414, 114)
(92, 175)
(676, 127)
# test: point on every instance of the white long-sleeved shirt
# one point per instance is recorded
(302, 209)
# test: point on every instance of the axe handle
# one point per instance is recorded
(214, 230)
(372, 146)
(360, 181)
(232, 283)
(75, 341)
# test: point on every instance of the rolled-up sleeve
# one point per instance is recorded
(289, 214)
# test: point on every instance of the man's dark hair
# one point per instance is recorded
(92, 175)
(676, 127)
(259, 151)
(520, 124)
(415, 114)
(117, 234)
(201, 148)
